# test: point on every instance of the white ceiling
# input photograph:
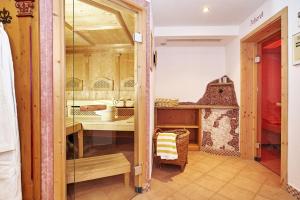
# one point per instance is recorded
(189, 12)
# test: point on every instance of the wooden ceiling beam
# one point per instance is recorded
(97, 48)
(115, 12)
(69, 26)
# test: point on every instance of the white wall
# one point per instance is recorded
(183, 72)
(270, 8)
(232, 51)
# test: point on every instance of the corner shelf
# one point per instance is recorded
(220, 84)
(181, 117)
(176, 126)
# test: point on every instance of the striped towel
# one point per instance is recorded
(166, 146)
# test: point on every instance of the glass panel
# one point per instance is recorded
(101, 64)
(271, 103)
(72, 129)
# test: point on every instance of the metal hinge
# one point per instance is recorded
(257, 145)
(257, 59)
(138, 170)
(138, 37)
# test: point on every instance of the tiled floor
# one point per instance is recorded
(217, 178)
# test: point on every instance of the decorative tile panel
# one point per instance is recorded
(220, 131)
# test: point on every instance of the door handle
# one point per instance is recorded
(278, 104)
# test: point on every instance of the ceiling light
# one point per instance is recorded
(205, 9)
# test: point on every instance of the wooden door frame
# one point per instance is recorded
(52, 59)
(248, 125)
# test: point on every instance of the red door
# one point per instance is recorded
(270, 102)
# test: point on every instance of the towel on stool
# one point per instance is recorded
(166, 146)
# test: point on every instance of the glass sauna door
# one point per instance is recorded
(101, 65)
(270, 102)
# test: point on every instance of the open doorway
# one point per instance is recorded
(264, 99)
(269, 102)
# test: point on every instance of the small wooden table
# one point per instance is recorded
(76, 127)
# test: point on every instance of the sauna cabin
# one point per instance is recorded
(101, 96)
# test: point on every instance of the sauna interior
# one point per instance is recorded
(100, 97)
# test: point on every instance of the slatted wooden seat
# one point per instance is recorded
(98, 167)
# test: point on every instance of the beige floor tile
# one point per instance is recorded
(258, 197)
(218, 197)
(178, 184)
(246, 183)
(188, 189)
(203, 167)
(275, 193)
(255, 176)
(177, 196)
(235, 193)
(140, 197)
(160, 194)
(200, 193)
(210, 182)
(222, 175)
(192, 175)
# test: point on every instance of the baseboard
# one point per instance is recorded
(293, 191)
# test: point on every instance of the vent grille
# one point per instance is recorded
(193, 40)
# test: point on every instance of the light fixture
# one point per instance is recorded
(205, 9)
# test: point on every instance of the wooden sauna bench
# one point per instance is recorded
(76, 127)
(98, 167)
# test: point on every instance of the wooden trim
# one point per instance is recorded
(199, 128)
(59, 139)
(115, 12)
(70, 27)
(248, 126)
(98, 48)
(200, 107)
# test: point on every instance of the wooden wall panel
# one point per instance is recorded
(58, 148)
(25, 53)
(89, 67)
(246, 130)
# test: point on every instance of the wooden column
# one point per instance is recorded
(26, 76)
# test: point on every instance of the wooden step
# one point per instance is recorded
(84, 169)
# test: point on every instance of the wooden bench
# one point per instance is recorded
(98, 167)
(76, 127)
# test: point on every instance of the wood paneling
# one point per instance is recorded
(24, 38)
(58, 109)
(90, 67)
(97, 23)
(249, 86)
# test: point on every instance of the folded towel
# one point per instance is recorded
(166, 146)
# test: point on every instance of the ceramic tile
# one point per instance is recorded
(258, 197)
(275, 193)
(210, 183)
(222, 175)
(235, 193)
(218, 197)
(200, 193)
(246, 183)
